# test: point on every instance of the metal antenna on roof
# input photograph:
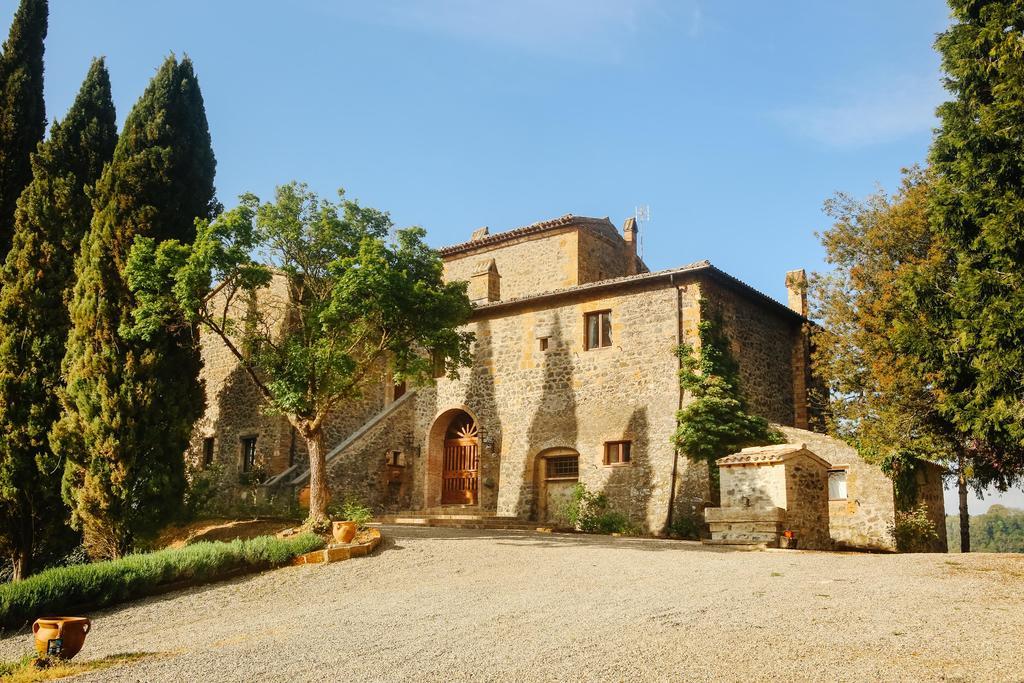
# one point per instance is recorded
(642, 216)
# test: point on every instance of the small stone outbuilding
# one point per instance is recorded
(768, 490)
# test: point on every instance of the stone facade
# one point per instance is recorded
(234, 405)
(550, 255)
(929, 490)
(764, 343)
(552, 402)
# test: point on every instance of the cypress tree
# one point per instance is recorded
(52, 217)
(971, 302)
(22, 110)
(129, 404)
(964, 303)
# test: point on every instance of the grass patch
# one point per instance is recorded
(26, 670)
(90, 586)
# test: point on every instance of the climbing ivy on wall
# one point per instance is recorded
(715, 421)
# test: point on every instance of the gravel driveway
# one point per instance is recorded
(444, 605)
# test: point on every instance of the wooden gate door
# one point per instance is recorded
(459, 475)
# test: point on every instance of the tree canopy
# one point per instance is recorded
(999, 530)
(879, 399)
(53, 215)
(22, 109)
(969, 300)
(129, 404)
(315, 300)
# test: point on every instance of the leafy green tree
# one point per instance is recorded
(314, 299)
(880, 399)
(129, 404)
(978, 207)
(53, 216)
(22, 110)
(714, 422)
(1000, 530)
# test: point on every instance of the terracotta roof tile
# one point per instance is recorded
(768, 455)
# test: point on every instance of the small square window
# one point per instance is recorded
(208, 451)
(837, 484)
(543, 343)
(248, 454)
(598, 329)
(617, 453)
(563, 467)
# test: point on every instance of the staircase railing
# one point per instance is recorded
(299, 474)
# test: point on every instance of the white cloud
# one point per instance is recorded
(877, 113)
(583, 28)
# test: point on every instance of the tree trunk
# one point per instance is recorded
(317, 476)
(22, 559)
(22, 564)
(965, 517)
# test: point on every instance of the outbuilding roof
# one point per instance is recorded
(770, 455)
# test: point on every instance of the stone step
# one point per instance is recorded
(460, 521)
(445, 510)
(741, 544)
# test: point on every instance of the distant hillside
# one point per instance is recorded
(1000, 530)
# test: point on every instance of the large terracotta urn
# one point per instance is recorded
(344, 532)
(60, 637)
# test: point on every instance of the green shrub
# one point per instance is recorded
(589, 512)
(913, 531)
(354, 511)
(685, 525)
(90, 586)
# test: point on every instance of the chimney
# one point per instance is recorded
(629, 234)
(485, 283)
(796, 288)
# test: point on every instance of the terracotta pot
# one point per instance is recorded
(344, 532)
(60, 637)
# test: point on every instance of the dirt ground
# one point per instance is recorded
(221, 530)
(461, 605)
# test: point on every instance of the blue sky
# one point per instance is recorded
(733, 121)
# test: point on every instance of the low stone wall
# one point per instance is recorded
(338, 552)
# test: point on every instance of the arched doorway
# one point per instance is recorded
(460, 461)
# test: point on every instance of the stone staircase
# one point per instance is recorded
(298, 474)
(457, 517)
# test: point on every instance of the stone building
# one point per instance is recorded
(574, 379)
